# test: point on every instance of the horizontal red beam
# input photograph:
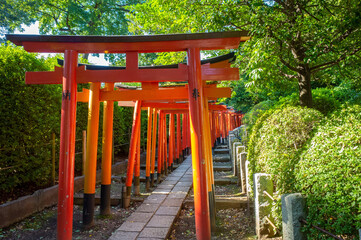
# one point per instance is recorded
(133, 75)
(133, 95)
(166, 94)
(122, 47)
(179, 74)
(169, 106)
(219, 74)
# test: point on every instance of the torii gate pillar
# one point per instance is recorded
(67, 147)
(196, 96)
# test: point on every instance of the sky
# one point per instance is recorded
(34, 29)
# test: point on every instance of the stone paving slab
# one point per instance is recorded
(154, 218)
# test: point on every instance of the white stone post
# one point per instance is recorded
(263, 204)
(242, 170)
(293, 208)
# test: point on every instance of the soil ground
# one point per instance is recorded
(42, 225)
(231, 223)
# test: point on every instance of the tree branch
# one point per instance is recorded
(334, 62)
(288, 64)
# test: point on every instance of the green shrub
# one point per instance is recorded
(347, 94)
(251, 117)
(277, 142)
(275, 145)
(255, 136)
(329, 174)
(29, 116)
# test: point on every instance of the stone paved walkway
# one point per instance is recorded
(154, 218)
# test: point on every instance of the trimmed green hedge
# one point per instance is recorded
(329, 174)
(29, 116)
(277, 141)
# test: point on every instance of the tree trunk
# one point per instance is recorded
(304, 85)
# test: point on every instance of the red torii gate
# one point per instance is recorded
(131, 45)
(176, 93)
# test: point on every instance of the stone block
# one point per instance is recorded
(181, 189)
(161, 191)
(150, 232)
(140, 217)
(14, 211)
(242, 170)
(155, 198)
(293, 208)
(263, 204)
(172, 202)
(47, 197)
(122, 235)
(159, 221)
(148, 208)
(129, 226)
(236, 143)
(168, 211)
(180, 195)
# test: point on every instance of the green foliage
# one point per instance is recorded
(240, 99)
(253, 141)
(347, 93)
(29, 116)
(277, 143)
(329, 174)
(251, 117)
(314, 40)
(14, 13)
(31, 113)
(324, 100)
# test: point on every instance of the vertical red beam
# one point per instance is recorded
(67, 147)
(178, 137)
(171, 140)
(196, 98)
(132, 152)
(149, 148)
(154, 139)
(214, 122)
(160, 146)
(165, 146)
(137, 166)
(211, 126)
(183, 135)
(207, 146)
(107, 153)
(224, 126)
(188, 130)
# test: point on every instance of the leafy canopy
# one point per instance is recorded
(292, 41)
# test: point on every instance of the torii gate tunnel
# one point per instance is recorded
(196, 93)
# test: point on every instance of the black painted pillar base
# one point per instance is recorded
(126, 198)
(159, 177)
(147, 183)
(152, 180)
(137, 185)
(88, 209)
(105, 200)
